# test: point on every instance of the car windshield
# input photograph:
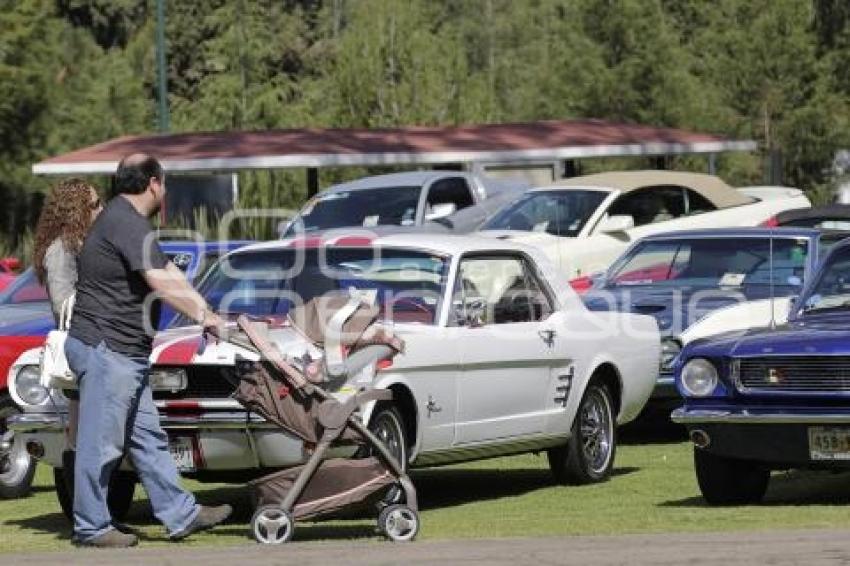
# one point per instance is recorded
(407, 285)
(832, 291)
(739, 264)
(558, 212)
(24, 289)
(829, 239)
(364, 208)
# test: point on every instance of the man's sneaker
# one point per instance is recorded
(207, 518)
(110, 539)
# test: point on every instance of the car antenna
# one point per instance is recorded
(772, 294)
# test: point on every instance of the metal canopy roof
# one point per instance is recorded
(311, 147)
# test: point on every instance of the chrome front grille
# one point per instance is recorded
(204, 382)
(793, 374)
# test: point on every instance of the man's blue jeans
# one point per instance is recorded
(117, 413)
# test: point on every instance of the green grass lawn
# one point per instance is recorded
(653, 490)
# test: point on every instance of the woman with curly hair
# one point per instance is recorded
(65, 219)
(67, 215)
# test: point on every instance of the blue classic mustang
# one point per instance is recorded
(680, 278)
(772, 399)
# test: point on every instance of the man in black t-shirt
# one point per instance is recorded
(119, 267)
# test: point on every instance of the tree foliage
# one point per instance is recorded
(75, 72)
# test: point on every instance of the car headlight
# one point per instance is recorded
(173, 380)
(28, 386)
(670, 348)
(699, 377)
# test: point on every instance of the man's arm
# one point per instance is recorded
(171, 285)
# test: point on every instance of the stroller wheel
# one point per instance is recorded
(272, 524)
(399, 522)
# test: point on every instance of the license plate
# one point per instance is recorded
(182, 449)
(829, 443)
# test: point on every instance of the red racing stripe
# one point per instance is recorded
(180, 353)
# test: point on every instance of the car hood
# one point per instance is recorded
(529, 238)
(26, 318)
(673, 309)
(822, 335)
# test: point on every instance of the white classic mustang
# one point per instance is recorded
(501, 357)
(584, 223)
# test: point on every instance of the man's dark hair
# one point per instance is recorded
(134, 174)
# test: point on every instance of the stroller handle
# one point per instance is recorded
(234, 338)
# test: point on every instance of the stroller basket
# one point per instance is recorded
(336, 484)
(288, 392)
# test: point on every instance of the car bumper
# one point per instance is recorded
(776, 439)
(665, 389)
(222, 441)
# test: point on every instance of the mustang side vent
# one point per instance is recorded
(563, 390)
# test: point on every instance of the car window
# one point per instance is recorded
(364, 208)
(697, 203)
(832, 291)
(651, 204)
(741, 264)
(453, 190)
(498, 290)
(408, 285)
(828, 239)
(558, 212)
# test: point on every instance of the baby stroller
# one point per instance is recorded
(312, 387)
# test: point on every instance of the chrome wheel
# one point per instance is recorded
(399, 522)
(596, 430)
(17, 467)
(271, 524)
(588, 455)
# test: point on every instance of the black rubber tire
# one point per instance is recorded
(729, 481)
(17, 472)
(122, 488)
(569, 463)
(387, 417)
(386, 413)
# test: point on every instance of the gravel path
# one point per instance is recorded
(811, 548)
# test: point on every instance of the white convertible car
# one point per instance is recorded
(585, 223)
(501, 358)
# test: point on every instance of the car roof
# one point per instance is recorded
(752, 232)
(829, 211)
(711, 187)
(405, 179)
(194, 245)
(449, 244)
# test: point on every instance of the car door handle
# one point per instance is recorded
(548, 337)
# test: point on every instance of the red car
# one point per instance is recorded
(8, 271)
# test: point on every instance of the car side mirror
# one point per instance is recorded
(617, 223)
(441, 210)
